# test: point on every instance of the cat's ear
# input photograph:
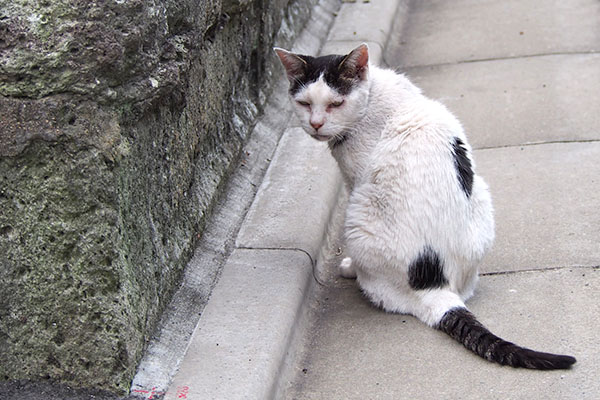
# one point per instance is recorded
(294, 64)
(356, 63)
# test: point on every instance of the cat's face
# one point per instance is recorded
(330, 93)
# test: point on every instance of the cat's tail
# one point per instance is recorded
(460, 324)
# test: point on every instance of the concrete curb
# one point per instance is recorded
(241, 342)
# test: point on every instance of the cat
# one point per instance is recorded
(418, 219)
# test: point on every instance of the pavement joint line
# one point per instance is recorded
(312, 260)
(517, 57)
(581, 267)
(531, 144)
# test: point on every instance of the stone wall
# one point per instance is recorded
(119, 122)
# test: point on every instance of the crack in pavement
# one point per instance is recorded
(571, 267)
(517, 57)
(530, 144)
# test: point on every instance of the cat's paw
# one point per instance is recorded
(346, 268)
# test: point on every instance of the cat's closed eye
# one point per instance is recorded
(303, 103)
(336, 104)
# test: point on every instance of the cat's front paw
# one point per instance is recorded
(346, 268)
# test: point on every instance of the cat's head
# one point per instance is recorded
(330, 93)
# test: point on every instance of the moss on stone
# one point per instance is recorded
(60, 279)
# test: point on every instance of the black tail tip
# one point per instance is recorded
(564, 362)
(544, 361)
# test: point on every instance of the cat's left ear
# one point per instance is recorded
(356, 63)
(294, 64)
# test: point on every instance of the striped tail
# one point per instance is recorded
(461, 325)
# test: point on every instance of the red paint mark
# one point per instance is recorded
(182, 392)
(151, 393)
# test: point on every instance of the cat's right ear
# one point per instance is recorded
(356, 63)
(294, 65)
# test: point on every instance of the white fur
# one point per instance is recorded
(404, 194)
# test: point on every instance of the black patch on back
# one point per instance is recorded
(462, 163)
(426, 271)
(329, 67)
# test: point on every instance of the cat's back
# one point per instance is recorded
(418, 132)
(404, 109)
(414, 162)
(389, 88)
(415, 151)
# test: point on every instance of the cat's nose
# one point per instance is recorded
(316, 125)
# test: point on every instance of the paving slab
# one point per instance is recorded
(366, 21)
(441, 32)
(356, 351)
(312, 36)
(515, 101)
(295, 200)
(546, 200)
(245, 330)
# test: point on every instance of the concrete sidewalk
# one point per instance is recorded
(524, 78)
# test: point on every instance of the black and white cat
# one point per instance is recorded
(418, 219)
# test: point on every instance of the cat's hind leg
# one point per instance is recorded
(347, 269)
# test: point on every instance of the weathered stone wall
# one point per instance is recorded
(119, 122)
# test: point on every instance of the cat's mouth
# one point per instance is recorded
(321, 138)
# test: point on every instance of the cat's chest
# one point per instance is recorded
(352, 160)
